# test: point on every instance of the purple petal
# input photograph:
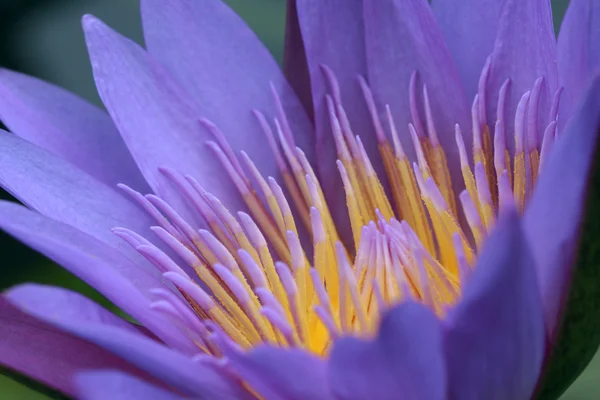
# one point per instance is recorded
(341, 22)
(402, 36)
(46, 354)
(124, 283)
(172, 368)
(282, 374)
(227, 70)
(61, 191)
(525, 50)
(159, 124)
(495, 338)
(469, 28)
(68, 126)
(295, 66)
(578, 51)
(39, 300)
(553, 216)
(158, 360)
(406, 359)
(343, 51)
(110, 384)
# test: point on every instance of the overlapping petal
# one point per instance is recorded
(495, 338)
(165, 364)
(303, 377)
(159, 123)
(61, 191)
(123, 282)
(68, 126)
(71, 313)
(402, 36)
(40, 300)
(333, 34)
(343, 51)
(46, 354)
(525, 50)
(405, 359)
(227, 70)
(470, 29)
(553, 216)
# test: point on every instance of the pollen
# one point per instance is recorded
(283, 273)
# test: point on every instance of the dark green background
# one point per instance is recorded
(44, 38)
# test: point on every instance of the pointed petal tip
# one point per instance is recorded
(89, 21)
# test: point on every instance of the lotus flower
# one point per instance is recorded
(398, 221)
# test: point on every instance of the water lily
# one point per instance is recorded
(398, 221)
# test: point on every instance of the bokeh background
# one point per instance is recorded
(43, 38)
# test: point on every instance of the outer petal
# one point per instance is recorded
(158, 360)
(406, 359)
(525, 50)
(470, 28)
(110, 384)
(578, 51)
(158, 123)
(333, 33)
(68, 126)
(553, 217)
(227, 70)
(46, 354)
(65, 193)
(102, 267)
(38, 300)
(278, 374)
(402, 36)
(174, 369)
(495, 340)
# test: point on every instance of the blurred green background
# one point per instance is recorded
(44, 38)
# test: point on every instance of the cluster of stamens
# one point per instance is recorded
(259, 284)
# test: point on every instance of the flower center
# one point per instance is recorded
(260, 284)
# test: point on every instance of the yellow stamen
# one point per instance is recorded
(262, 285)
